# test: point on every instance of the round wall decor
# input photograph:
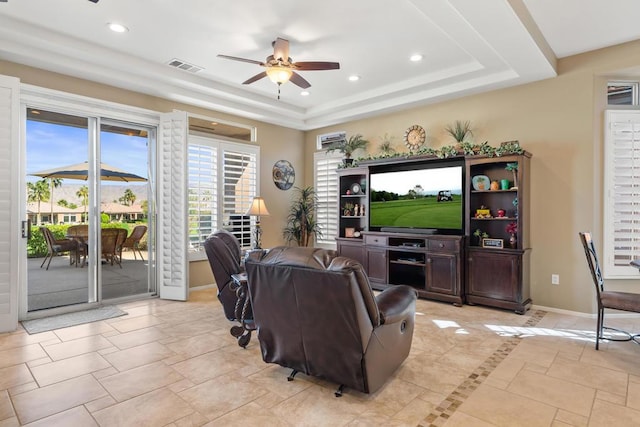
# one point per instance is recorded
(414, 137)
(283, 174)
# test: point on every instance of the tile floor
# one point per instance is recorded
(175, 364)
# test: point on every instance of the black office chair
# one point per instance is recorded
(625, 301)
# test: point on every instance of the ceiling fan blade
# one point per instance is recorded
(281, 49)
(298, 80)
(255, 78)
(235, 58)
(316, 65)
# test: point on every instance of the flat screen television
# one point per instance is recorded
(419, 197)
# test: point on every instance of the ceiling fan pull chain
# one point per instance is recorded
(279, 84)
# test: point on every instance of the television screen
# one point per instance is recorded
(428, 196)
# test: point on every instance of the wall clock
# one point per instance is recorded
(414, 137)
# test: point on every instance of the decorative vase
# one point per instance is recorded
(513, 242)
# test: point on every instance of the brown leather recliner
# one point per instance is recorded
(315, 313)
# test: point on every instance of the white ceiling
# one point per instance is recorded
(469, 46)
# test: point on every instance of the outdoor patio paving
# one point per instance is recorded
(65, 284)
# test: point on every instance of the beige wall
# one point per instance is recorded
(559, 121)
(276, 142)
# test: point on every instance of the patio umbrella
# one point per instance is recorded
(81, 171)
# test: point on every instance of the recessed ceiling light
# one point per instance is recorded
(415, 58)
(304, 93)
(117, 28)
(354, 78)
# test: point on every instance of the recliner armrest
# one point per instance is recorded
(395, 303)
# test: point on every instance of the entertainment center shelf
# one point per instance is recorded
(430, 264)
(454, 266)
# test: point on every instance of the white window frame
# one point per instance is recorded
(325, 181)
(196, 253)
(635, 93)
(621, 193)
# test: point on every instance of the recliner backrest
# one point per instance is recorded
(315, 312)
(223, 254)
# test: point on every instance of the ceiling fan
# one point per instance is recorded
(280, 68)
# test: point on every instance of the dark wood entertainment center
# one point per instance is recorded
(451, 268)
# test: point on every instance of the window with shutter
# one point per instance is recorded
(326, 186)
(622, 193)
(223, 179)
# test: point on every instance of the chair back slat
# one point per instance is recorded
(592, 260)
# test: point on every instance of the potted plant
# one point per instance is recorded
(385, 146)
(479, 234)
(302, 226)
(513, 167)
(459, 130)
(349, 145)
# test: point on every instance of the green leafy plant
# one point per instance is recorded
(481, 234)
(302, 226)
(349, 145)
(385, 146)
(460, 130)
(513, 167)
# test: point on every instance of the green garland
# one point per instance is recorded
(463, 148)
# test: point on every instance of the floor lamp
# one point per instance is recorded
(258, 208)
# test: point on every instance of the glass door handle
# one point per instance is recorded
(26, 229)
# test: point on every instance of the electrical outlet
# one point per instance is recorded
(555, 279)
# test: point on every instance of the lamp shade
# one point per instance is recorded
(279, 75)
(258, 207)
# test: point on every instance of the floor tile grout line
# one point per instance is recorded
(456, 398)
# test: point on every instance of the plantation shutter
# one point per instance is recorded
(240, 185)
(173, 267)
(9, 220)
(326, 186)
(203, 193)
(622, 193)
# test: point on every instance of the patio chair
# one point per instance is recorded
(57, 246)
(80, 233)
(111, 239)
(133, 241)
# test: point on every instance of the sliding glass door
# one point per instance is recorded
(88, 202)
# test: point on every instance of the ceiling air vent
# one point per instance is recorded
(330, 140)
(176, 63)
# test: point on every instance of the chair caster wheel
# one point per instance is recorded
(237, 331)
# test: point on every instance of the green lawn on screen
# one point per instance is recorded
(422, 212)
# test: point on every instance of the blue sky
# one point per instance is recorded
(51, 145)
(431, 180)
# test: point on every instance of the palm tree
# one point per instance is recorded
(301, 222)
(83, 194)
(129, 197)
(38, 192)
(54, 183)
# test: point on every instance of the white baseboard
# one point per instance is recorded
(609, 313)
(199, 288)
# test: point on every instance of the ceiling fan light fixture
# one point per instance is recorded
(278, 74)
